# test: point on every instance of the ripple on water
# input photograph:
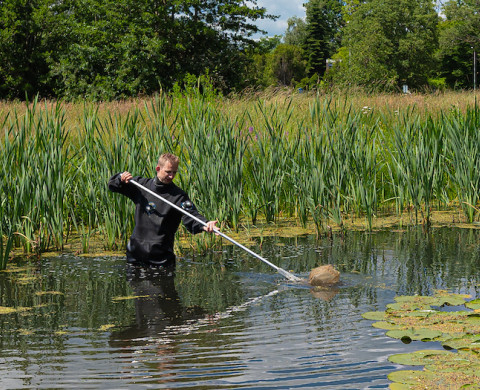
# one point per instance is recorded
(263, 333)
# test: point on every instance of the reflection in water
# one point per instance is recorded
(225, 321)
(158, 306)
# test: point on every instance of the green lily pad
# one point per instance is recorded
(474, 305)
(407, 306)
(399, 386)
(407, 335)
(374, 315)
(465, 342)
(387, 325)
(451, 300)
(411, 377)
(418, 358)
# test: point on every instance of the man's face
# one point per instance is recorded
(167, 172)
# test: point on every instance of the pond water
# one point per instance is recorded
(225, 321)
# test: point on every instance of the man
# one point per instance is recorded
(156, 223)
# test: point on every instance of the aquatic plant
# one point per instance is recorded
(415, 152)
(422, 318)
(323, 160)
(463, 154)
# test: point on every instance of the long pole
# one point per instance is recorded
(281, 271)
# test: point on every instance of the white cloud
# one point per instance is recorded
(284, 9)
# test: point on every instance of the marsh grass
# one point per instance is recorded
(320, 159)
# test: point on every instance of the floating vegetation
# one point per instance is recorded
(7, 310)
(422, 318)
(116, 299)
(10, 310)
(41, 293)
(27, 279)
(105, 327)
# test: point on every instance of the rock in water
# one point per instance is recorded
(324, 275)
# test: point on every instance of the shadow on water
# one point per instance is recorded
(225, 320)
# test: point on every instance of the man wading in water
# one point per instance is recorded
(156, 222)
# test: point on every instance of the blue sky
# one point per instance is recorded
(283, 8)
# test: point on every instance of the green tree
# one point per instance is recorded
(388, 43)
(296, 32)
(108, 49)
(286, 64)
(256, 72)
(324, 21)
(24, 46)
(459, 37)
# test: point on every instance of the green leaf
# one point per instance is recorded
(386, 325)
(417, 358)
(374, 315)
(411, 377)
(474, 305)
(407, 335)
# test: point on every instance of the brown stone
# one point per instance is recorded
(325, 275)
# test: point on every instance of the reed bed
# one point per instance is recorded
(317, 159)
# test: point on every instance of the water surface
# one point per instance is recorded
(225, 320)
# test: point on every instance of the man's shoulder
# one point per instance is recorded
(176, 190)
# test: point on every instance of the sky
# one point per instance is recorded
(284, 9)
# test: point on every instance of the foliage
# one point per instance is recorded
(285, 64)
(112, 49)
(422, 318)
(319, 160)
(388, 43)
(296, 32)
(322, 33)
(459, 37)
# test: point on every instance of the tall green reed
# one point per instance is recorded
(269, 155)
(416, 153)
(35, 160)
(463, 155)
(213, 148)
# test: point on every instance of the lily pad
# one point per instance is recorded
(474, 305)
(374, 315)
(399, 386)
(387, 325)
(407, 335)
(411, 377)
(465, 342)
(418, 358)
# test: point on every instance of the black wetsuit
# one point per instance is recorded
(156, 222)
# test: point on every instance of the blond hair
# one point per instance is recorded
(171, 158)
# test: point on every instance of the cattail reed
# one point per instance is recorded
(325, 161)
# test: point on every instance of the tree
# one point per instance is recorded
(459, 37)
(388, 43)
(108, 49)
(286, 64)
(324, 20)
(24, 46)
(296, 32)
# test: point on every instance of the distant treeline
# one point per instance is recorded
(106, 49)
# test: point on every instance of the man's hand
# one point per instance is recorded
(125, 177)
(211, 225)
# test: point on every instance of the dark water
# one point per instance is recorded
(225, 321)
